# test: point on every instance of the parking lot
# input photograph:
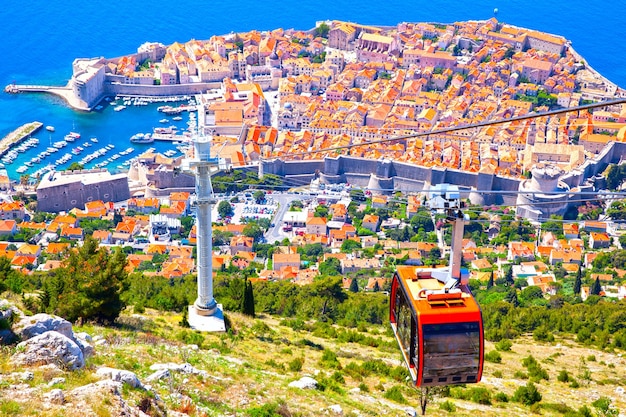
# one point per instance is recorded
(248, 209)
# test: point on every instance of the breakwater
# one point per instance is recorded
(18, 135)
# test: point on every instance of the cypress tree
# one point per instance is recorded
(578, 282)
(354, 285)
(509, 276)
(596, 288)
(490, 282)
(376, 287)
(248, 300)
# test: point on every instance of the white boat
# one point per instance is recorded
(164, 121)
(177, 118)
(50, 128)
(21, 169)
(119, 108)
(94, 140)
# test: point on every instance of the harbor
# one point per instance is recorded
(66, 142)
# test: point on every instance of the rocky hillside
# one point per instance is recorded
(149, 365)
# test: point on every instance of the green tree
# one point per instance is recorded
(75, 166)
(511, 297)
(349, 245)
(224, 209)
(248, 300)
(354, 285)
(258, 196)
(579, 281)
(10, 279)
(89, 285)
(490, 282)
(331, 266)
(322, 30)
(617, 210)
(253, 230)
(321, 211)
(508, 276)
(595, 288)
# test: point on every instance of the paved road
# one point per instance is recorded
(276, 233)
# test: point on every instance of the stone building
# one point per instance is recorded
(62, 191)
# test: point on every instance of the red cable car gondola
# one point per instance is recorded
(436, 320)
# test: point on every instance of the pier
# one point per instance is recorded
(18, 135)
(66, 93)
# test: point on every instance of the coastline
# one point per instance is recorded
(108, 89)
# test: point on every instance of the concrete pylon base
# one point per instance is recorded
(212, 323)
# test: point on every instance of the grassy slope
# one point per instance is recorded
(251, 367)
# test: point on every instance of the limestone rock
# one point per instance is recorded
(8, 311)
(306, 382)
(32, 326)
(336, 409)
(184, 368)
(22, 376)
(106, 386)
(83, 336)
(55, 396)
(123, 376)
(158, 375)
(49, 347)
(56, 381)
(87, 349)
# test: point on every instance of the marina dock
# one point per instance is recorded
(18, 135)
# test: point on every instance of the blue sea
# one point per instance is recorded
(40, 40)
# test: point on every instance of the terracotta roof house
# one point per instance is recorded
(599, 240)
(316, 226)
(69, 232)
(370, 222)
(241, 243)
(55, 248)
(8, 227)
(11, 210)
(281, 260)
(104, 236)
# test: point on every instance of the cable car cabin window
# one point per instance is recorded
(405, 325)
(451, 353)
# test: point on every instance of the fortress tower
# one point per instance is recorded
(543, 195)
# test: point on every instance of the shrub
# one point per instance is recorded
(363, 387)
(535, 371)
(395, 394)
(563, 376)
(329, 359)
(527, 395)
(338, 377)
(494, 357)
(497, 374)
(447, 406)
(504, 345)
(501, 397)
(480, 395)
(296, 364)
(520, 375)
